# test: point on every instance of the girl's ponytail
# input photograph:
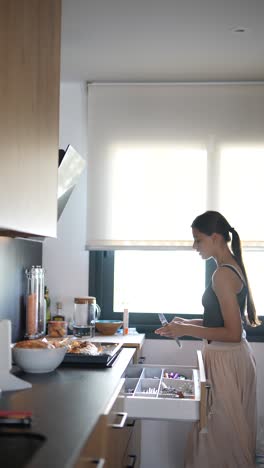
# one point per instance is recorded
(237, 251)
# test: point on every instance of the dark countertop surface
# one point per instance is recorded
(66, 405)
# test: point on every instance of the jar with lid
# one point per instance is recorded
(35, 303)
(86, 311)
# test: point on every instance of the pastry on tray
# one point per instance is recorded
(83, 347)
(75, 346)
(34, 344)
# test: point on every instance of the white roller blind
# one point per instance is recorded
(241, 190)
(154, 157)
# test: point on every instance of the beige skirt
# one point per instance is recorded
(230, 439)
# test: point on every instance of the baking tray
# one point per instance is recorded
(104, 358)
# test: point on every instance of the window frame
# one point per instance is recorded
(101, 285)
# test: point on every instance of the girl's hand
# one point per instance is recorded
(172, 329)
(180, 319)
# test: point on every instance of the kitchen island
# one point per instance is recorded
(66, 405)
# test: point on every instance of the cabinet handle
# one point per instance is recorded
(122, 422)
(131, 423)
(97, 462)
(208, 397)
(141, 360)
(133, 461)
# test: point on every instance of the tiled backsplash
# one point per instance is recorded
(15, 256)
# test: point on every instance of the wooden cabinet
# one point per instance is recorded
(131, 457)
(115, 440)
(29, 118)
(123, 443)
(94, 452)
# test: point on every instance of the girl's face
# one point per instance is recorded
(203, 244)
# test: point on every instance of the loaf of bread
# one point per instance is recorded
(34, 344)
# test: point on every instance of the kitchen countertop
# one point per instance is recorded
(66, 405)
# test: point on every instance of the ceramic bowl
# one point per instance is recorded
(108, 327)
(38, 361)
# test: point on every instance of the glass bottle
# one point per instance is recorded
(59, 316)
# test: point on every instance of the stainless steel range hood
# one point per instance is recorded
(70, 169)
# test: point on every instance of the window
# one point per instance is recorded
(173, 281)
(241, 191)
(158, 281)
(158, 156)
(241, 199)
(254, 262)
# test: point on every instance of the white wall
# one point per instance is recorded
(65, 259)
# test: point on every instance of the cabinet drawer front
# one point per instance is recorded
(173, 392)
(118, 440)
(161, 408)
(118, 443)
(151, 392)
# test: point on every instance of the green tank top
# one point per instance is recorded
(212, 312)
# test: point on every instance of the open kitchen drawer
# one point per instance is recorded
(148, 392)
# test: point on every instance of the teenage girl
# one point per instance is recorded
(229, 362)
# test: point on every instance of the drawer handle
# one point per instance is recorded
(122, 422)
(208, 398)
(133, 461)
(97, 462)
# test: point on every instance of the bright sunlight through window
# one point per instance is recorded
(155, 191)
(254, 263)
(241, 190)
(159, 281)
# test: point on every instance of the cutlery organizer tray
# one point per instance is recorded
(154, 382)
(165, 392)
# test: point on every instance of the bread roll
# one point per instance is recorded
(34, 344)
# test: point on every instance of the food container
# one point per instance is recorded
(57, 329)
(86, 312)
(35, 303)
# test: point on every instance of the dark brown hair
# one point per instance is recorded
(212, 221)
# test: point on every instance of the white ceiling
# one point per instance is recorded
(162, 40)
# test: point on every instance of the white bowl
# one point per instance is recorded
(38, 361)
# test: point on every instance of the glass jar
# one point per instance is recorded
(57, 328)
(35, 303)
(86, 311)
